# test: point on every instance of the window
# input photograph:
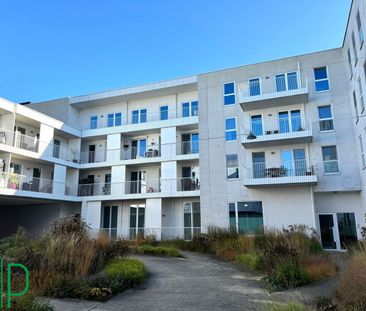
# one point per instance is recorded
(359, 27)
(229, 93)
(290, 121)
(355, 105)
(246, 217)
(325, 118)
(190, 109)
(114, 119)
(349, 63)
(362, 103)
(330, 159)
(354, 47)
(254, 87)
(286, 81)
(362, 152)
(321, 79)
(164, 113)
(191, 219)
(230, 129)
(139, 116)
(232, 166)
(56, 148)
(256, 125)
(93, 122)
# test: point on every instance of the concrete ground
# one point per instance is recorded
(196, 282)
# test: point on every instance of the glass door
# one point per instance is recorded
(137, 220)
(287, 163)
(295, 120)
(256, 125)
(259, 164)
(109, 220)
(300, 162)
(327, 235)
(186, 145)
(195, 143)
(142, 147)
(284, 124)
(192, 219)
(347, 229)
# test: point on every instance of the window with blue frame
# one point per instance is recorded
(118, 119)
(230, 129)
(229, 93)
(142, 147)
(164, 112)
(321, 79)
(110, 120)
(194, 108)
(93, 122)
(185, 110)
(190, 109)
(195, 143)
(139, 116)
(256, 125)
(254, 87)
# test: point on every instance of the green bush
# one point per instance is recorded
(287, 275)
(30, 302)
(250, 260)
(159, 250)
(132, 271)
(291, 306)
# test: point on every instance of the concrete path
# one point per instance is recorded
(196, 282)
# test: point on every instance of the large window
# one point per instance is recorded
(321, 79)
(93, 122)
(230, 129)
(330, 159)
(246, 217)
(164, 113)
(286, 81)
(190, 109)
(354, 47)
(229, 93)
(232, 166)
(254, 87)
(256, 125)
(192, 219)
(325, 118)
(139, 116)
(359, 27)
(114, 119)
(360, 90)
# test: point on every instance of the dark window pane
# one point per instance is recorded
(322, 85)
(229, 88)
(320, 73)
(229, 99)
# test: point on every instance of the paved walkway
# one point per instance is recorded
(196, 282)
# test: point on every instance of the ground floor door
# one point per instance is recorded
(138, 182)
(337, 230)
(192, 219)
(137, 220)
(109, 220)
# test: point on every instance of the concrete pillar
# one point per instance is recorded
(113, 147)
(153, 216)
(168, 142)
(46, 135)
(169, 177)
(59, 179)
(118, 179)
(91, 213)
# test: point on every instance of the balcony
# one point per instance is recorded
(188, 148)
(267, 174)
(25, 183)
(188, 184)
(279, 90)
(288, 131)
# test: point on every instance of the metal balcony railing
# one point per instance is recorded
(25, 183)
(188, 147)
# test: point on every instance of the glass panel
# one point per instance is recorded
(141, 217)
(195, 143)
(324, 112)
(143, 115)
(142, 147)
(187, 221)
(164, 113)
(194, 108)
(229, 99)
(283, 122)
(347, 228)
(232, 216)
(106, 217)
(185, 110)
(322, 85)
(250, 217)
(287, 163)
(118, 119)
(93, 122)
(280, 83)
(56, 148)
(256, 125)
(326, 231)
(196, 215)
(133, 221)
(300, 162)
(110, 122)
(296, 120)
(320, 73)
(135, 116)
(329, 153)
(230, 124)
(254, 87)
(232, 166)
(292, 81)
(229, 88)
(114, 216)
(259, 165)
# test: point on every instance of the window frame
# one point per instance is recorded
(229, 94)
(232, 167)
(91, 122)
(167, 112)
(260, 86)
(190, 110)
(328, 161)
(139, 115)
(320, 80)
(326, 119)
(232, 130)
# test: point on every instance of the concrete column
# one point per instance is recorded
(153, 216)
(169, 177)
(168, 142)
(46, 140)
(113, 147)
(59, 179)
(91, 212)
(118, 180)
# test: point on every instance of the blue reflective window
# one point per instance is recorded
(142, 147)
(118, 119)
(135, 116)
(93, 122)
(110, 121)
(230, 129)
(321, 79)
(194, 108)
(185, 110)
(280, 83)
(195, 143)
(164, 113)
(254, 87)
(257, 126)
(143, 115)
(292, 81)
(229, 93)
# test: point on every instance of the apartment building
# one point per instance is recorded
(270, 144)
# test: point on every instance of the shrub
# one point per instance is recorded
(291, 306)
(248, 259)
(30, 302)
(132, 271)
(159, 250)
(350, 292)
(287, 275)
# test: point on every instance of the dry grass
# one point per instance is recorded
(318, 267)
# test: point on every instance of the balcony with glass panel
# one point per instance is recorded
(279, 90)
(289, 128)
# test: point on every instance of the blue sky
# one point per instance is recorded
(58, 48)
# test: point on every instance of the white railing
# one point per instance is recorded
(188, 147)
(142, 186)
(6, 137)
(130, 153)
(188, 184)
(94, 189)
(163, 233)
(93, 156)
(26, 142)
(279, 169)
(25, 183)
(141, 118)
(280, 85)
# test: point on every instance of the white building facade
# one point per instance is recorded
(265, 145)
